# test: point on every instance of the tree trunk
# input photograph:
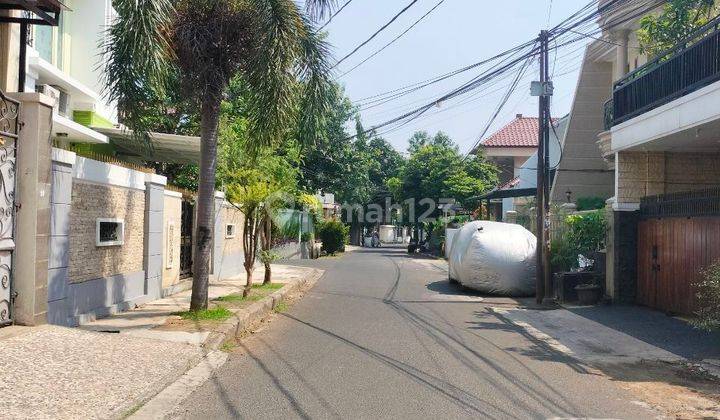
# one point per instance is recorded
(268, 274)
(248, 284)
(249, 247)
(267, 244)
(209, 117)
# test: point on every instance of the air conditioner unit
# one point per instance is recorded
(61, 98)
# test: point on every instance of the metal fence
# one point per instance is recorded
(683, 204)
(691, 65)
(558, 224)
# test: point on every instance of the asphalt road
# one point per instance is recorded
(383, 335)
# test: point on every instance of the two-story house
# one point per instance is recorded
(65, 62)
(664, 136)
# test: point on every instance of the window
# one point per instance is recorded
(109, 232)
(230, 231)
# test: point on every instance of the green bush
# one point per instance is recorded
(586, 232)
(708, 296)
(563, 257)
(307, 237)
(334, 235)
(590, 203)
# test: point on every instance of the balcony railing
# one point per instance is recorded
(689, 66)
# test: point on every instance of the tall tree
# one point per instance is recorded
(271, 44)
(436, 170)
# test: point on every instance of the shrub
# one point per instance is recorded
(590, 203)
(586, 232)
(307, 237)
(708, 296)
(563, 257)
(334, 235)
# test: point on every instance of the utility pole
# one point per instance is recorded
(543, 90)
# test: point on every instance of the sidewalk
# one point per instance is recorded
(56, 372)
(622, 334)
(663, 361)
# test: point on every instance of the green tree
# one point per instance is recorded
(422, 138)
(271, 44)
(677, 20)
(436, 170)
(259, 192)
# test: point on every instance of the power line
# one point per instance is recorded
(396, 93)
(580, 19)
(500, 106)
(334, 14)
(382, 28)
(394, 39)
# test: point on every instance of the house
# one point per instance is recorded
(509, 148)
(584, 171)
(645, 135)
(330, 208)
(663, 136)
(86, 234)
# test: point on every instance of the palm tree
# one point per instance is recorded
(271, 44)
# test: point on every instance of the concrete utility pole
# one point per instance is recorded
(543, 90)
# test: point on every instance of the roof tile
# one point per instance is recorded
(521, 132)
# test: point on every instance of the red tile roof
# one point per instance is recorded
(521, 132)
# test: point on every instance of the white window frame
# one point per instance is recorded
(232, 235)
(120, 241)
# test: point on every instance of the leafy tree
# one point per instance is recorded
(259, 192)
(204, 44)
(422, 138)
(678, 19)
(436, 170)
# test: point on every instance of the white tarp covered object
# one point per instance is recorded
(496, 258)
(449, 236)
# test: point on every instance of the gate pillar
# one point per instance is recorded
(32, 202)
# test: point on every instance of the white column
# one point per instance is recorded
(620, 38)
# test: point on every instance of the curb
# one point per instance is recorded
(170, 397)
(243, 319)
(173, 394)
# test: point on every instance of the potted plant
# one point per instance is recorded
(588, 293)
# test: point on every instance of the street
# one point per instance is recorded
(384, 335)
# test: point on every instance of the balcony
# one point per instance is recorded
(690, 66)
(671, 103)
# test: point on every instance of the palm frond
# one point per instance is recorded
(139, 60)
(318, 9)
(318, 90)
(272, 86)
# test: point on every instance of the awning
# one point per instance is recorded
(170, 148)
(64, 128)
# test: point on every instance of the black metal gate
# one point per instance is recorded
(186, 230)
(9, 109)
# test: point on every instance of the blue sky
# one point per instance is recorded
(457, 33)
